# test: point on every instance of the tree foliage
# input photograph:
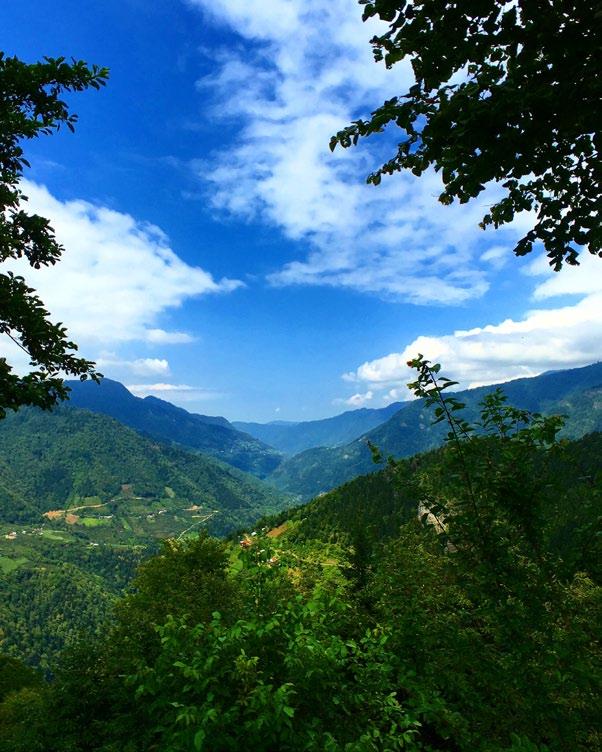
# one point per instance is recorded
(469, 625)
(504, 91)
(30, 106)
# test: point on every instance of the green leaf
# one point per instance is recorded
(199, 740)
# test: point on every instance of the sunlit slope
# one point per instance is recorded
(370, 509)
(83, 472)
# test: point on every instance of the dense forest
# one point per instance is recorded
(76, 461)
(83, 499)
(449, 602)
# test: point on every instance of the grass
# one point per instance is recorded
(8, 565)
(55, 535)
(94, 522)
(78, 501)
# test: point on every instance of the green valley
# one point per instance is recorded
(77, 471)
(82, 499)
(449, 601)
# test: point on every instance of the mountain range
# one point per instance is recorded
(71, 456)
(78, 472)
(576, 393)
(292, 438)
(162, 420)
(83, 496)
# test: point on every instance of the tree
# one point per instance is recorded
(30, 105)
(504, 91)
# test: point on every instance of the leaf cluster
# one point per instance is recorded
(503, 92)
(30, 106)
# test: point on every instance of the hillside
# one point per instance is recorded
(350, 624)
(56, 587)
(292, 438)
(72, 459)
(576, 393)
(162, 420)
(370, 509)
(82, 497)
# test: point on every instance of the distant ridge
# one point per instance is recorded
(162, 420)
(292, 438)
(576, 393)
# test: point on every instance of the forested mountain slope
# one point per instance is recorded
(577, 393)
(292, 438)
(74, 458)
(81, 498)
(370, 509)
(56, 588)
(353, 626)
(164, 421)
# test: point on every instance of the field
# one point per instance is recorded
(8, 564)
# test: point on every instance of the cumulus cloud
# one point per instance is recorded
(565, 336)
(302, 71)
(116, 277)
(139, 366)
(356, 400)
(161, 337)
(585, 279)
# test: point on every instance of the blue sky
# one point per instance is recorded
(219, 256)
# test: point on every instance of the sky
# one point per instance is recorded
(219, 256)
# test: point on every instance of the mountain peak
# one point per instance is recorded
(167, 422)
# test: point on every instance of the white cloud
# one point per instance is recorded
(356, 400)
(497, 255)
(161, 337)
(139, 366)
(566, 336)
(584, 279)
(116, 277)
(159, 387)
(303, 71)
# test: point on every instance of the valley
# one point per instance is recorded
(79, 487)
(343, 597)
(83, 499)
(575, 393)
(221, 222)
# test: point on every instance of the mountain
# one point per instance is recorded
(292, 438)
(356, 613)
(576, 393)
(76, 472)
(82, 499)
(166, 422)
(370, 509)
